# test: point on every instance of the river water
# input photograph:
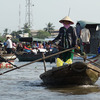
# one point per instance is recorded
(25, 84)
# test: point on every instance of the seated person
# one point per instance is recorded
(27, 49)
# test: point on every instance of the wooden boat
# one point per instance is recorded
(91, 58)
(78, 73)
(6, 59)
(29, 56)
(77, 56)
(23, 56)
(9, 56)
(96, 61)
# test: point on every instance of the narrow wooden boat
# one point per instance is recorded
(29, 56)
(96, 61)
(22, 56)
(6, 59)
(90, 58)
(8, 56)
(78, 73)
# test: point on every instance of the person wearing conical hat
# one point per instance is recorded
(9, 44)
(67, 37)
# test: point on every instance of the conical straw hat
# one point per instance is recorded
(66, 19)
(8, 36)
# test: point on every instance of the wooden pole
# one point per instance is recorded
(44, 62)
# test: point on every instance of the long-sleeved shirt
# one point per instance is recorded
(67, 37)
(85, 35)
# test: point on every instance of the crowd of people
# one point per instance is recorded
(11, 47)
(68, 37)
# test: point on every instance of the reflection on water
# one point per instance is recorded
(77, 90)
(25, 84)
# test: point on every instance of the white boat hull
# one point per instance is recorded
(6, 64)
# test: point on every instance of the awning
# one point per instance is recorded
(26, 39)
(88, 24)
(30, 39)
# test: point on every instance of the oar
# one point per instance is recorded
(87, 59)
(44, 62)
(38, 60)
(91, 66)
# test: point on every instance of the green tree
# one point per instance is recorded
(26, 28)
(13, 33)
(42, 34)
(0, 34)
(19, 31)
(2, 39)
(49, 27)
(16, 34)
(5, 32)
(15, 40)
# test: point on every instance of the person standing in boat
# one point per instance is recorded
(67, 37)
(85, 37)
(9, 44)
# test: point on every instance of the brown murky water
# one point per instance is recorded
(25, 84)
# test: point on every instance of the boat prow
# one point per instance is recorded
(7, 60)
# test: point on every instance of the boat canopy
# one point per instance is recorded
(30, 39)
(26, 39)
(39, 40)
(88, 24)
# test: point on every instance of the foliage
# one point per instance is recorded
(13, 34)
(26, 28)
(15, 40)
(20, 31)
(2, 39)
(49, 27)
(16, 34)
(42, 34)
(5, 32)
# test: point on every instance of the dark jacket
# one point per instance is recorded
(67, 37)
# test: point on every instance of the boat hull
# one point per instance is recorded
(8, 57)
(6, 64)
(75, 74)
(9, 60)
(33, 57)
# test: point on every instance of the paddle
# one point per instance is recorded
(86, 58)
(38, 60)
(44, 62)
(90, 65)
